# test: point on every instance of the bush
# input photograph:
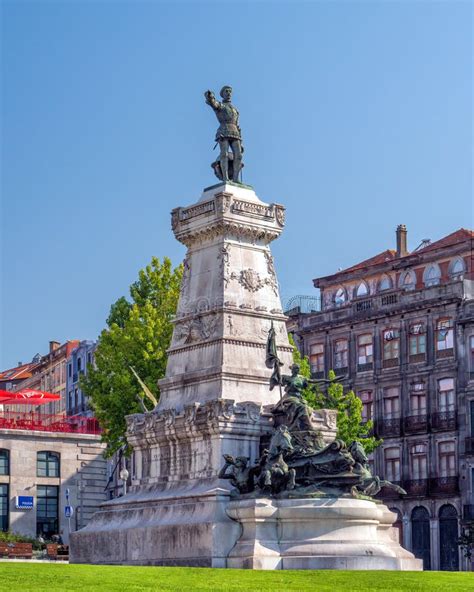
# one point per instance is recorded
(14, 537)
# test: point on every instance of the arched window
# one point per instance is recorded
(341, 297)
(47, 464)
(408, 280)
(4, 461)
(362, 290)
(385, 283)
(457, 268)
(432, 275)
(448, 537)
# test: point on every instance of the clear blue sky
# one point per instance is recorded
(356, 115)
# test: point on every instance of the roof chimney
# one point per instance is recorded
(402, 240)
(53, 345)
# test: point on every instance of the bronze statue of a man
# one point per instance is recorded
(228, 135)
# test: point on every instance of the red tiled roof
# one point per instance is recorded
(388, 255)
(23, 371)
(454, 238)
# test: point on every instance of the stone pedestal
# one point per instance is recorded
(322, 533)
(212, 398)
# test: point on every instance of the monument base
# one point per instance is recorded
(185, 527)
(317, 533)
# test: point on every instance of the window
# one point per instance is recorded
(392, 463)
(471, 351)
(417, 341)
(362, 290)
(418, 398)
(432, 275)
(391, 345)
(365, 349)
(419, 464)
(471, 408)
(408, 280)
(316, 358)
(385, 283)
(340, 297)
(4, 462)
(447, 458)
(47, 464)
(47, 497)
(89, 358)
(446, 394)
(391, 402)
(457, 268)
(79, 364)
(367, 405)
(341, 350)
(4, 499)
(444, 335)
(69, 370)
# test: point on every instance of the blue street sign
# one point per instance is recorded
(68, 511)
(24, 502)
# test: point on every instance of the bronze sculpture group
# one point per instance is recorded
(297, 462)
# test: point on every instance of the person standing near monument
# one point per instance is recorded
(228, 135)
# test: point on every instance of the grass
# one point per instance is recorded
(40, 577)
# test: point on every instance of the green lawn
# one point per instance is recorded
(38, 577)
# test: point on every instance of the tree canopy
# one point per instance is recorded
(137, 335)
(350, 426)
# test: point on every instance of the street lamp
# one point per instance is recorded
(124, 474)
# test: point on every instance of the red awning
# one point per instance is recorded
(27, 397)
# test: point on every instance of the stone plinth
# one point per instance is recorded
(321, 533)
(229, 297)
(212, 397)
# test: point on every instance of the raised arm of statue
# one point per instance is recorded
(211, 100)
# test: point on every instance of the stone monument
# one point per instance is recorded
(293, 504)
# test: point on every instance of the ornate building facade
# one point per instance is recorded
(398, 329)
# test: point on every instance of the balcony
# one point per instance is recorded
(416, 487)
(43, 422)
(417, 359)
(469, 443)
(414, 424)
(445, 353)
(391, 363)
(365, 367)
(444, 485)
(341, 371)
(317, 375)
(363, 305)
(443, 420)
(389, 427)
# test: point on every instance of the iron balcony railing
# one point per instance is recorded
(416, 487)
(390, 426)
(444, 485)
(443, 420)
(415, 423)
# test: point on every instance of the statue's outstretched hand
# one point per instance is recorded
(228, 458)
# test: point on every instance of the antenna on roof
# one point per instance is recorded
(425, 242)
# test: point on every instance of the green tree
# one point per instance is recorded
(350, 426)
(138, 333)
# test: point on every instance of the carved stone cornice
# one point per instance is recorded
(226, 215)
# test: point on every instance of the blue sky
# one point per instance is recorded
(356, 115)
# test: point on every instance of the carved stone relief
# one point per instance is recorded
(195, 330)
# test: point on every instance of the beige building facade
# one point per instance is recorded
(37, 469)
